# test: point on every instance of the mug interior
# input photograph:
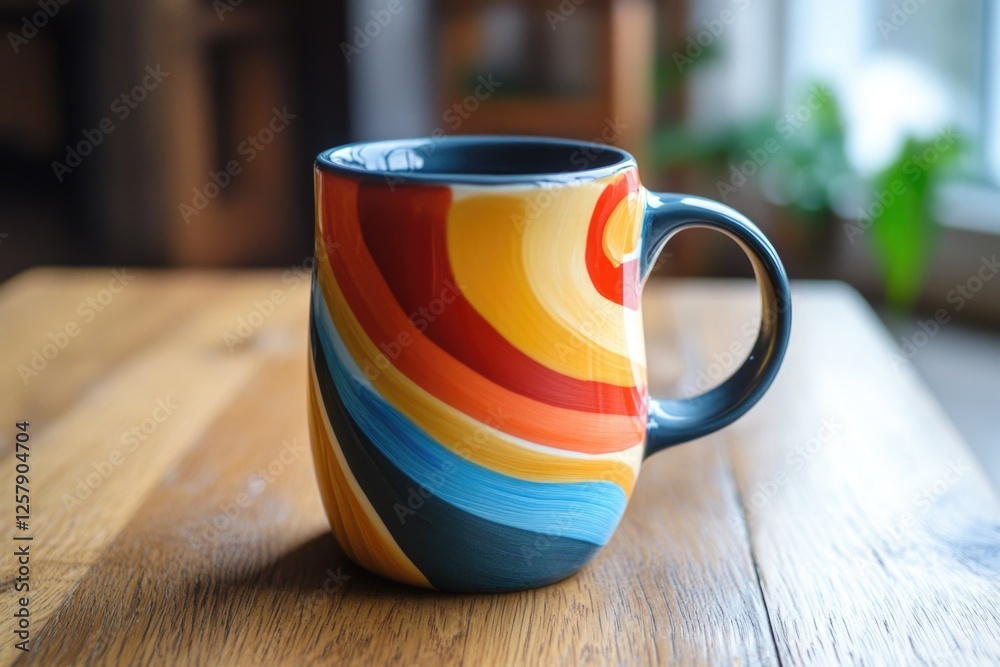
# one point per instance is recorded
(476, 159)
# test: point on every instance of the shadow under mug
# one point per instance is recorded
(478, 396)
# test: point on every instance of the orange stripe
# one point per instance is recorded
(359, 537)
(352, 269)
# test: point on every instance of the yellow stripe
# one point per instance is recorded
(622, 232)
(462, 434)
(554, 259)
(533, 285)
(354, 521)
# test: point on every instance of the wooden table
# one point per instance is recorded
(175, 517)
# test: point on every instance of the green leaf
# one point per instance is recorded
(903, 230)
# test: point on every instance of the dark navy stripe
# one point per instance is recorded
(588, 510)
(455, 550)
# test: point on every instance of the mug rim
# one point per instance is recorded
(585, 160)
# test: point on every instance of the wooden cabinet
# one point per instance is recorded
(581, 69)
(226, 132)
(214, 169)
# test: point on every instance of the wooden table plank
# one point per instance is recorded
(136, 574)
(40, 303)
(874, 529)
(675, 586)
(83, 492)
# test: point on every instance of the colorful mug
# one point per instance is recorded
(478, 401)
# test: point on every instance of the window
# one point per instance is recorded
(953, 46)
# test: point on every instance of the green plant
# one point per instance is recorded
(807, 171)
(799, 159)
(903, 229)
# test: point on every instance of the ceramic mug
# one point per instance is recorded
(478, 402)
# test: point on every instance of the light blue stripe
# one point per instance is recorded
(587, 511)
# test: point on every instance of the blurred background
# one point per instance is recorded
(863, 136)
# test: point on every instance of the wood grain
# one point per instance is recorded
(208, 544)
(245, 593)
(80, 497)
(874, 530)
(141, 314)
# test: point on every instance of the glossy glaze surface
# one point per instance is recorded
(478, 399)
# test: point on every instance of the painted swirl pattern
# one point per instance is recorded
(477, 375)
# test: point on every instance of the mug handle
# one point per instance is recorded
(672, 422)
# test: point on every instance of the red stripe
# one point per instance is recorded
(406, 233)
(617, 283)
(351, 268)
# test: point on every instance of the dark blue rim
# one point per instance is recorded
(583, 160)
